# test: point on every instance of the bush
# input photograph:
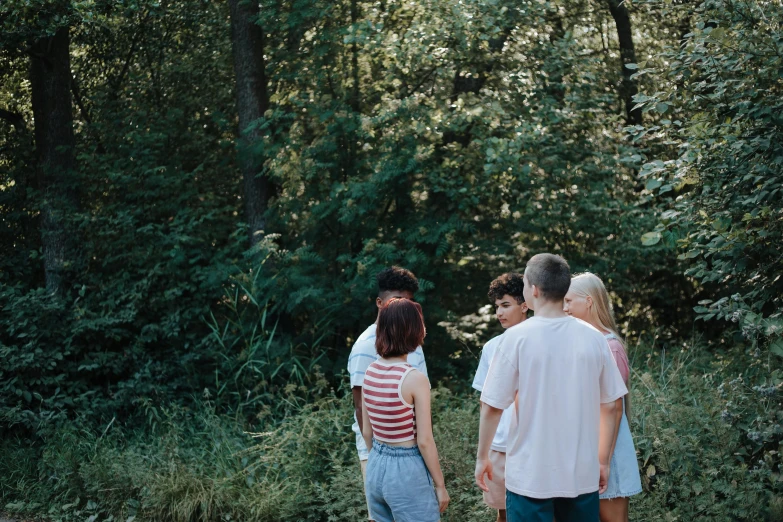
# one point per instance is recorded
(719, 100)
(707, 447)
(695, 463)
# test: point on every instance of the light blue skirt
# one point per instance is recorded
(624, 479)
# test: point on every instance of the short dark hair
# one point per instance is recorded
(550, 274)
(396, 278)
(510, 283)
(400, 328)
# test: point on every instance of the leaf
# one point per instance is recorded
(651, 238)
(631, 66)
(650, 471)
(776, 347)
(661, 107)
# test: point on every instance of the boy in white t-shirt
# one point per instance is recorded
(392, 282)
(507, 293)
(559, 373)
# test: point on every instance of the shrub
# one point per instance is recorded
(706, 441)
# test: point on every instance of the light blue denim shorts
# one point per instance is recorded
(398, 485)
(624, 480)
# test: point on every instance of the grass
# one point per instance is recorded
(197, 465)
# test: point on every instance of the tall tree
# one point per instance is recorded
(50, 82)
(247, 39)
(628, 88)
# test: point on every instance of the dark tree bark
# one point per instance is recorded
(247, 38)
(50, 81)
(354, 100)
(628, 88)
(555, 82)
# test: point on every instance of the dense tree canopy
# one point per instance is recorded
(198, 194)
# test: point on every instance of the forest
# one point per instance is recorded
(196, 195)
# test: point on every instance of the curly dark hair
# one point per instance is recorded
(510, 283)
(397, 278)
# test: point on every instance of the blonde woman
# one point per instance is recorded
(588, 300)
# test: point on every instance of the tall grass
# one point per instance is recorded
(697, 460)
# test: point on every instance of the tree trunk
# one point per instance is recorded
(247, 39)
(555, 76)
(50, 81)
(628, 88)
(354, 99)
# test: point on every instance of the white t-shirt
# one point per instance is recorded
(363, 354)
(487, 354)
(560, 371)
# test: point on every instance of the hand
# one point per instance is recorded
(483, 466)
(443, 497)
(603, 478)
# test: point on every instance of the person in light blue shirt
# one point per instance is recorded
(507, 293)
(392, 282)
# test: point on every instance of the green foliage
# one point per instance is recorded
(454, 138)
(719, 185)
(158, 227)
(385, 158)
(697, 457)
(706, 441)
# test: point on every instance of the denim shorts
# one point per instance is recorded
(398, 485)
(624, 480)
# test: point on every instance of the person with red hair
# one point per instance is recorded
(393, 282)
(404, 479)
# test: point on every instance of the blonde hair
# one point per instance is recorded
(601, 313)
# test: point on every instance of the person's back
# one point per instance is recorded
(403, 463)
(561, 376)
(394, 282)
(559, 364)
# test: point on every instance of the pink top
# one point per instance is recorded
(619, 356)
(392, 419)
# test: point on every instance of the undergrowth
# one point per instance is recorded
(695, 426)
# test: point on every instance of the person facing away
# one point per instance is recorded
(404, 481)
(588, 300)
(507, 293)
(560, 374)
(394, 282)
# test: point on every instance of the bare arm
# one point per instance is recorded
(606, 436)
(618, 417)
(366, 428)
(419, 386)
(356, 391)
(628, 403)
(488, 425)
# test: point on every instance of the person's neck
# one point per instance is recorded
(549, 309)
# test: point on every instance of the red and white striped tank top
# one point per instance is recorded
(392, 419)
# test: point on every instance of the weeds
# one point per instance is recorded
(698, 462)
